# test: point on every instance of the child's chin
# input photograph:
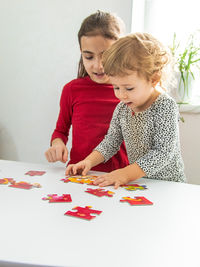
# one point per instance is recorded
(101, 79)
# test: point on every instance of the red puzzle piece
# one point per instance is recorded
(55, 198)
(6, 180)
(24, 185)
(137, 201)
(83, 213)
(100, 192)
(35, 173)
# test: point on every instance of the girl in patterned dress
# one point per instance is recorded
(146, 118)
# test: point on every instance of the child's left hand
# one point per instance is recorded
(115, 178)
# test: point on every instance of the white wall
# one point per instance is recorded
(39, 53)
(190, 143)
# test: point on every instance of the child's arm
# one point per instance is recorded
(120, 176)
(82, 167)
(63, 123)
(58, 150)
(112, 141)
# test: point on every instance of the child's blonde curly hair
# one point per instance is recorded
(139, 52)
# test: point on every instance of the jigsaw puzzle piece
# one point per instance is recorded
(83, 213)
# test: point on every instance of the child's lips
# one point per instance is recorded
(99, 75)
(128, 103)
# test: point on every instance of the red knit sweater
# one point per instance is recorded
(88, 107)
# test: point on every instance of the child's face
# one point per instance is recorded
(92, 48)
(134, 90)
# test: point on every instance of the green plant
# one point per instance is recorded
(187, 59)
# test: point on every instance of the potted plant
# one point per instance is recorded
(186, 65)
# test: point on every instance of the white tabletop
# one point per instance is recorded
(36, 232)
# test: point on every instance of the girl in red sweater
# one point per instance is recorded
(87, 103)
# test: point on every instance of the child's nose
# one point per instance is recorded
(98, 64)
(123, 95)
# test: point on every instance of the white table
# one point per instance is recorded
(38, 233)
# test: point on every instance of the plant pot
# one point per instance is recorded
(185, 83)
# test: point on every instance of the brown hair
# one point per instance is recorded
(100, 23)
(139, 52)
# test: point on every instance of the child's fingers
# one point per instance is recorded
(69, 169)
(58, 154)
(52, 154)
(78, 168)
(116, 185)
(65, 156)
(105, 183)
(85, 170)
(99, 180)
(102, 181)
(74, 170)
(49, 155)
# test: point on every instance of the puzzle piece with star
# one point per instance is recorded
(80, 179)
(136, 200)
(55, 198)
(100, 192)
(83, 212)
(134, 187)
(35, 173)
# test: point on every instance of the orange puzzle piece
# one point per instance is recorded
(80, 179)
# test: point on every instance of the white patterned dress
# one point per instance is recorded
(151, 138)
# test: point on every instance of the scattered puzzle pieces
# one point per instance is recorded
(80, 179)
(35, 173)
(55, 198)
(83, 213)
(24, 185)
(137, 201)
(134, 187)
(100, 192)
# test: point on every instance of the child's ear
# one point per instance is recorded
(155, 78)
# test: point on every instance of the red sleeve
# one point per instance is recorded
(65, 115)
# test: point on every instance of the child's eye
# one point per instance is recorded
(129, 89)
(88, 58)
(116, 88)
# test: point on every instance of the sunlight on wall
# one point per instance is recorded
(164, 17)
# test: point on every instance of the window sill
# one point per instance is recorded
(193, 106)
(189, 108)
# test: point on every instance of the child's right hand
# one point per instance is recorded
(82, 167)
(57, 152)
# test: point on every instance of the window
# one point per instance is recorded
(164, 17)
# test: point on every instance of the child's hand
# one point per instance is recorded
(82, 167)
(57, 152)
(115, 178)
